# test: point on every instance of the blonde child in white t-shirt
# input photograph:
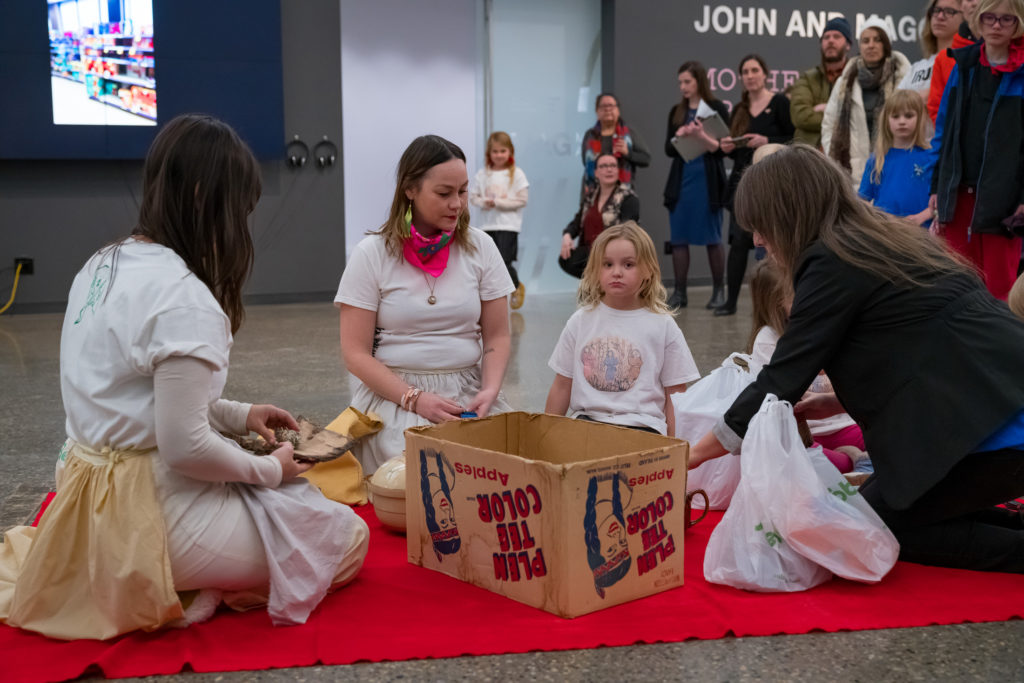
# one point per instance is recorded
(621, 354)
(501, 191)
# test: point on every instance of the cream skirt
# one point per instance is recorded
(97, 565)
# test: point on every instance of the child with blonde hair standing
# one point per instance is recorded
(500, 190)
(621, 354)
(898, 176)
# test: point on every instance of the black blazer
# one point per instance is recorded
(714, 167)
(927, 372)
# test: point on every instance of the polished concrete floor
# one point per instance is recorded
(288, 355)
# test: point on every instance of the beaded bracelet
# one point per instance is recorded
(409, 398)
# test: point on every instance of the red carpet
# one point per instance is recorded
(395, 611)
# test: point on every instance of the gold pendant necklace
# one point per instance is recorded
(431, 299)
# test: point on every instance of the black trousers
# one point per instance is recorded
(508, 247)
(741, 243)
(577, 261)
(956, 523)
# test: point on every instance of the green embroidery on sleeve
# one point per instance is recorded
(63, 455)
(96, 288)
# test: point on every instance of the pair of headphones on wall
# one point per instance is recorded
(297, 153)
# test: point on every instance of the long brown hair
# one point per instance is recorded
(700, 74)
(825, 209)
(200, 182)
(771, 294)
(741, 112)
(652, 292)
(422, 154)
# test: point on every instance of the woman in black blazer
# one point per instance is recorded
(920, 354)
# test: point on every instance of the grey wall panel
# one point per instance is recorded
(59, 212)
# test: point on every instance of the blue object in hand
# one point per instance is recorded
(468, 414)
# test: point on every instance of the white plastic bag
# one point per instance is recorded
(747, 550)
(795, 497)
(841, 531)
(810, 503)
(696, 412)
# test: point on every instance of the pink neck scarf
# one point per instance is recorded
(428, 254)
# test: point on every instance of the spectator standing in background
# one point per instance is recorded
(944, 60)
(941, 19)
(852, 116)
(611, 135)
(810, 93)
(501, 191)
(696, 191)
(761, 117)
(978, 183)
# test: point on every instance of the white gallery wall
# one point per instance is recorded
(407, 69)
(545, 71)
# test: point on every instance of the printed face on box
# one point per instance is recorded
(437, 479)
(604, 530)
(611, 533)
(444, 512)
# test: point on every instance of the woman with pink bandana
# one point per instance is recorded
(424, 306)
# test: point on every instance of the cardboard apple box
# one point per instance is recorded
(566, 515)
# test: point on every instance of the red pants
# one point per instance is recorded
(995, 256)
(847, 436)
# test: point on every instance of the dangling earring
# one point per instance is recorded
(406, 228)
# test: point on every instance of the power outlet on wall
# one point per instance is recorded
(27, 265)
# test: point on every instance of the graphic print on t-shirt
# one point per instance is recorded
(611, 363)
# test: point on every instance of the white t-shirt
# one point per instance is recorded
(919, 78)
(115, 334)
(765, 342)
(509, 195)
(411, 333)
(620, 363)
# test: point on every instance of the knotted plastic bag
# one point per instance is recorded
(814, 516)
(696, 412)
(747, 550)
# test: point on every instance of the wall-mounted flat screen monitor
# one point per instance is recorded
(102, 63)
(93, 79)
